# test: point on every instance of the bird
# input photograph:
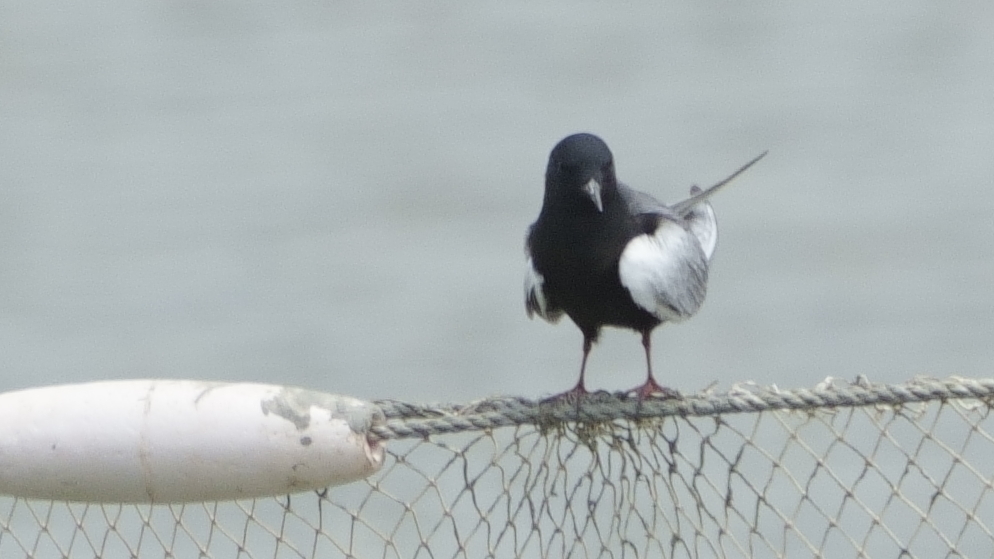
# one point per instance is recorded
(605, 254)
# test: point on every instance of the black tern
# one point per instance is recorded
(608, 255)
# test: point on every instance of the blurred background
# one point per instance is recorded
(335, 195)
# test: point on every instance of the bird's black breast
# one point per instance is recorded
(577, 255)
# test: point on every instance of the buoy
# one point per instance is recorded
(168, 441)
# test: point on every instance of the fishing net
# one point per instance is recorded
(840, 470)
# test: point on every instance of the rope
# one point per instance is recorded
(404, 420)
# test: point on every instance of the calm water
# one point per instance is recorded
(336, 196)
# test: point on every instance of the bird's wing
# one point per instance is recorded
(536, 301)
(699, 214)
(665, 271)
(684, 206)
(639, 202)
(695, 211)
(698, 218)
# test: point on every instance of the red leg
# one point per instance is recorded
(580, 390)
(651, 387)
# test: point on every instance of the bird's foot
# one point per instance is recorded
(571, 398)
(652, 389)
(574, 395)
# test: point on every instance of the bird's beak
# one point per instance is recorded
(593, 190)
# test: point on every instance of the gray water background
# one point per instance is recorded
(334, 195)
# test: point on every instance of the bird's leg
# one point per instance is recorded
(580, 390)
(651, 387)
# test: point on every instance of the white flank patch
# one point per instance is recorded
(535, 296)
(665, 273)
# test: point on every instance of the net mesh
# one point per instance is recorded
(909, 476)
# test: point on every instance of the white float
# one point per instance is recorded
(167, 441)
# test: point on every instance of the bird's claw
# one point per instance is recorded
(574, 395)
(652, 389)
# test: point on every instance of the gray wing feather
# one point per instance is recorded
(683, 206)
(639, 202)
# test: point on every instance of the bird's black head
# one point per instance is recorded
(580, 167)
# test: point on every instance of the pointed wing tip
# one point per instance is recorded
(752, 162)
(756, 159)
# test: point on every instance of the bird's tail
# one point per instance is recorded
(683, 207)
